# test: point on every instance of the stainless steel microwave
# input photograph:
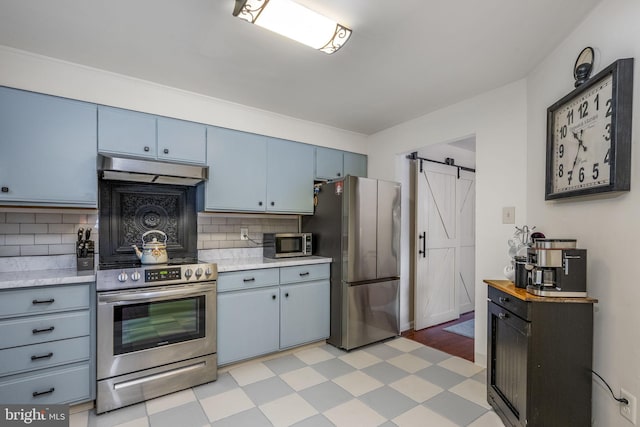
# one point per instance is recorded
(284, 245)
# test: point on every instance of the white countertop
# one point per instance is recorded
(26, 276)
(253, 263)
(63, 276)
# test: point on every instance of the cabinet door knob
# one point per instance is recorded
(502, 315)
(338, 174)
(503, 299)
(5, 189)
(146, 148)
(165, 151)
(286, 295)
(273, 297)
(260, 203)
(273, 203)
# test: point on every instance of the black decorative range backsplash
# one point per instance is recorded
(127, 210)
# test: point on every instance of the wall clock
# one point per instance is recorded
(589, 136)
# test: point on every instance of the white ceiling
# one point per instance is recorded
(405, 58)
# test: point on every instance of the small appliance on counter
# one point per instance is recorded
(557, 269)
(286, 245)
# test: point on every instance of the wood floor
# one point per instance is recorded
(448, 342)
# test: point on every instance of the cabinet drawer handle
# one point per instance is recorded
(306, 273)
(502, 315)
(146, 148)
(5, 189)
(503, 299)
(40, 393)
(43, 301)
(273, 297)
(44, 356)
(39, 331)
(251, 279)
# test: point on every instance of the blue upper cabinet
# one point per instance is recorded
(181, 141)
(237, 170)
(132, 133)
(333, 164)
(355, 164)
(126, 132)
(47, 150)
(256, 173)
(289, 177)
(328, 163)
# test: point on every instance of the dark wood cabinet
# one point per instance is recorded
(539, 357)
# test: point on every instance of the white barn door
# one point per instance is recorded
(445, 256)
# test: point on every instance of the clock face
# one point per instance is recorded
(582, 133)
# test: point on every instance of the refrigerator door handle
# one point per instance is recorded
(423, 251)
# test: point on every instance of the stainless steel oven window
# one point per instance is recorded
(152, 324)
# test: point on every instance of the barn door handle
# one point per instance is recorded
(423, 251)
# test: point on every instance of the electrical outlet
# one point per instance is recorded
(628, 411)
(244, 233)
(509, 215)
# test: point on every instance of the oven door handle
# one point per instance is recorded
(125, 297)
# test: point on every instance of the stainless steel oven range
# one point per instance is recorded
(156, 331)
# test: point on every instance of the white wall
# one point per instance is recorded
(24, 70)
(498, 121)
(609, 228)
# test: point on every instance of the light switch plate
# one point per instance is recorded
(509, 215)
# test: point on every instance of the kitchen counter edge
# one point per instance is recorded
(509, 287)
(238, 264)
(33, 278)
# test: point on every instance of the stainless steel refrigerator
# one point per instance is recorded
(357, 223)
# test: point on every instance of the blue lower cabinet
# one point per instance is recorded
(255, 321)
(247, 324)
(304, 313)
(70, 384)
(47, 350)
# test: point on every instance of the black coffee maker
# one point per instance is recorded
(558, 268)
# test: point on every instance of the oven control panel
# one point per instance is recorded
(162, 274)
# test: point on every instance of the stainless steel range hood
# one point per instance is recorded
(150, 171)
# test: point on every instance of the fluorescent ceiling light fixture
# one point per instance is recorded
(294, 21)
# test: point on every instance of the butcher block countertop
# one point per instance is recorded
(509, 287)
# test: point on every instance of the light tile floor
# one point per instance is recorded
(395, 383)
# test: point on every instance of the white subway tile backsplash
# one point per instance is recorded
(20, 218)
(9, 250)
(30, 250)
(26, 234)
(48, 218)
(62, 249)
(9, 228)
(74, 218)
(33, 228)
(63, 228)
(19, 239)
(48, 239)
